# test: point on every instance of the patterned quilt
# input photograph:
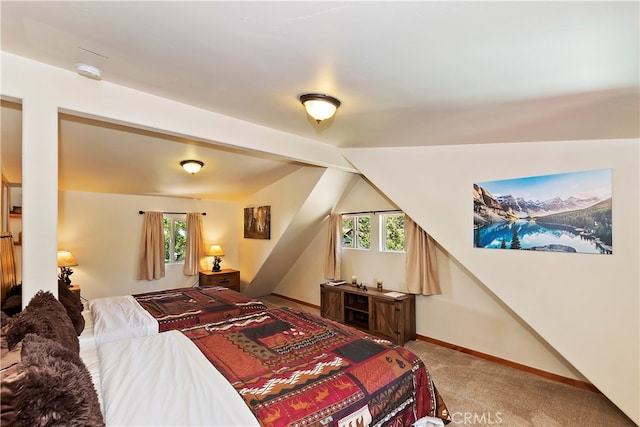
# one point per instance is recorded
(186, 307)
(294, 368)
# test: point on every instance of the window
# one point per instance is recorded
(356, 232)
(392, 233)
(175, 238)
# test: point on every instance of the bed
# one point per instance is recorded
(271, 367)
(294, 368)
(145, 314)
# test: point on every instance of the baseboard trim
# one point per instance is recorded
(551, 376)
(317, 307)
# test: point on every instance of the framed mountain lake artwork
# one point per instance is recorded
(567, 212)
(257, 222)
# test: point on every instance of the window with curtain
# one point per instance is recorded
(170, 239)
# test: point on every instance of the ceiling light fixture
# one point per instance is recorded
(192, 166)
(89, 71)
(319, 106)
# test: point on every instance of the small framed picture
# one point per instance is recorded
(257, 222)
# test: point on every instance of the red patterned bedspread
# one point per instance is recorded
(294, 368)
(186, 307)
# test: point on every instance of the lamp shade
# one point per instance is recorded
(192, 166)
(66, 259)
(215, 250)
(319, 106)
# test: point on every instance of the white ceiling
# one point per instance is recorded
(407, 73)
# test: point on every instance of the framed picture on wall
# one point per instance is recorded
(257, 222)
(566, 212)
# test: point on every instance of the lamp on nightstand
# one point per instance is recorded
(216, 252)
(65, 262)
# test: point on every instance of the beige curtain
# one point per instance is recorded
(195, 250)
(334, 248)
(8, 276)
(151, 257)
(422, 267)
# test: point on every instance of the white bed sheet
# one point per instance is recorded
(164, 380)
(89, 353)
(121, 317)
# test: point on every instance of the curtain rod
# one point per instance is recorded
(370, 212)
(172, 213)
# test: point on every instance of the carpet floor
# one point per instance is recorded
(480, 392)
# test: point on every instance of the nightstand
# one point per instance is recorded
(75, 289)
(226, 277)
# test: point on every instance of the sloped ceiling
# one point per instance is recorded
(407, 73)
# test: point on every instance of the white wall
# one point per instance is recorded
(585, 306)
(285, 198)
(469, 315)
(300, 205)
(103, 233)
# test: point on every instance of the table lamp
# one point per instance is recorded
(216, 252)
(65, 262)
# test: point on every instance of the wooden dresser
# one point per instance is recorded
(390, 317)
(227, 277)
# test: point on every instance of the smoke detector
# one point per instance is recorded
(89, 71)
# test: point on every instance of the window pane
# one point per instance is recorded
(180, 239)
(364, 232)
(347, 232)
(394, 233)
(175, 239)
(167, 240)
(356, 232)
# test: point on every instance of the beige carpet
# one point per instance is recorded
(479, 392)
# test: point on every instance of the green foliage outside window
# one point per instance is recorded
(364, 232)
(394, 232)
(356, 232)
(348, 240)
(175, 240)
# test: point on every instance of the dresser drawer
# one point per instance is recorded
(228, 278)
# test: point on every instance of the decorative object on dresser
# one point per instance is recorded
(216, 252)
(227, 277)
(65, 262)
(389, 315)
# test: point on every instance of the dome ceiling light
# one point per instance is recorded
(89, 71)
(319, 106)
(192, 166)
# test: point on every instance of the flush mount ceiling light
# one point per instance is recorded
(192, 166)
(89, 71)
(319, 106)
